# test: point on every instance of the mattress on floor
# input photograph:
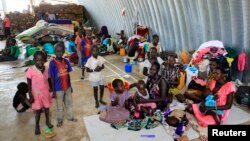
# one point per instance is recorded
(101, 131)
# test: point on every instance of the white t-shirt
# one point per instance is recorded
(158, 47)
(147, 64)
(92, 63)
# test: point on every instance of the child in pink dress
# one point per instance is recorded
(39, 89)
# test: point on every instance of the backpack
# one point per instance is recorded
(243, 95)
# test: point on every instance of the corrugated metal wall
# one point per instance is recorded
(181, 24)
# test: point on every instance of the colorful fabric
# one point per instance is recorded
(151, 105)
(230, 61)
(209, 101)
(231, 53)
(242, 62)
(7, 22)
(14, 51)
(184, 57)
(59, 72)
(49, 48)
(171, 74)
(182, 80)
(39, 88)
(78, 42)
(87, 49)
(223, 92)
(71, 47)
(30, 50)
(174, 91)
(154, 91)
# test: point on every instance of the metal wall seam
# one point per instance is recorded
(159, 11)
(175, 26)
(203, 8)
(159, 19)
(182, 24)
(187, 17)
(237, 24)
(143, 15)
(170, 24)
(246, 23)
(225, 20)
(214, 19)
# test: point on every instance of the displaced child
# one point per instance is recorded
(152, 57)
(78, 47)
(59, 69)
(140, 96)
(95, 65)
(11, 51)
(21, 98)
(171, 73)
(155, 43)
(86, 44)
(116, 112)
(39, 89)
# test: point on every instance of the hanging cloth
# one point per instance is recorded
(242, 62)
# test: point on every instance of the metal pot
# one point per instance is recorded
(124, 59)
(140, 59)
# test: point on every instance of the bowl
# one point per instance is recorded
(126, 76)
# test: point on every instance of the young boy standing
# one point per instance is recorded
(59, 69)
(95, 65)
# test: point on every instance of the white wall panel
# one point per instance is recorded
(181, 24)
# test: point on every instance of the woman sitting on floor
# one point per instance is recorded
(196, 88)
(222, 90)
(11, 52)
(157, 88)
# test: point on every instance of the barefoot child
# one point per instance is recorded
(140, 97)
(39, 90)
(59, 69)
(21, 98)
(95, 65)
(116, 112)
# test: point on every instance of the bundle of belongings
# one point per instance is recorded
(43, 29)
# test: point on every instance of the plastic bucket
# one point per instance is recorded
(111, 89)
(128, 68)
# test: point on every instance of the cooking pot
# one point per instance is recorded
(140, 59)
(124, 59)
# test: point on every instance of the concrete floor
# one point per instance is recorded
(17, 127)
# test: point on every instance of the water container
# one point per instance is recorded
(128, 68)
(122, 51)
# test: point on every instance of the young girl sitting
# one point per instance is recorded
(116, 112)
(39, 89)
(139, 98)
